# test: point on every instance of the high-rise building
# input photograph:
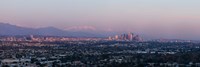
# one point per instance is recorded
(128, 37)
(116, 37)
(138, 38)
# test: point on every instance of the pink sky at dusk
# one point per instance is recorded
(151, 18)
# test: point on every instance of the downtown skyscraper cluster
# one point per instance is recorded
(126, 37)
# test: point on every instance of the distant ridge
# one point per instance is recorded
(8, 29)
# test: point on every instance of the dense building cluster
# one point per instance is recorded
(98, 53)
(126, 37)
(38, 38)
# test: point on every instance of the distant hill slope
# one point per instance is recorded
(8, 29)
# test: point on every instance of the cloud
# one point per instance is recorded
(81, 28)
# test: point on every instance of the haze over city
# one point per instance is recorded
(152, 19)
(99, 33)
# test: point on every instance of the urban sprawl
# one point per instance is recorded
(125, 50)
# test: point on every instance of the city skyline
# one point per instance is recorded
(99, 33)
(152, 19)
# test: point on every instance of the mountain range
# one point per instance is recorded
(9, 29)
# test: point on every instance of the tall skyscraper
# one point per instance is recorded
(116, 37)
(130, 36)
(126, 37)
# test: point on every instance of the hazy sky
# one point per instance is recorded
(152, 18)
